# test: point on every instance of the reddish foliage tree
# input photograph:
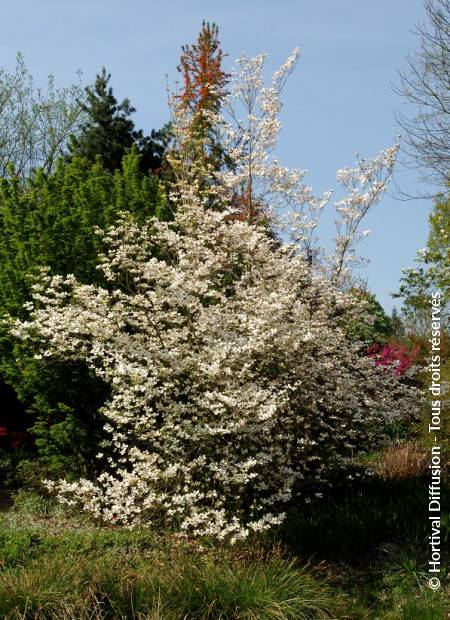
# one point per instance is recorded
(203, 91)
(204, 81)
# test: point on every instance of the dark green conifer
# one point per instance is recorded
(109, 131)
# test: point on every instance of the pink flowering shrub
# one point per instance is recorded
(11, 439)
(394, 354)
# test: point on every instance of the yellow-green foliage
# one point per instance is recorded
(50, 221)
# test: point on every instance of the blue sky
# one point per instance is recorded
(339, 101)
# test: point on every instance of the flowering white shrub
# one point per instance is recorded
(233, 384)
(231, 380)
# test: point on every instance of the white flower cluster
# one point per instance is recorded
(365, 185)
(249, 129)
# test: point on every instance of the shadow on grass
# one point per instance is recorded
(356, 521)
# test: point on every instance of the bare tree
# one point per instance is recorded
(34, 124)
(425, 83)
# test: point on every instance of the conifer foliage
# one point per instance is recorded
(109, 132)
(51, 221)
(203, 91)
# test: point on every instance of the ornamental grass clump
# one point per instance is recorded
(404, 459)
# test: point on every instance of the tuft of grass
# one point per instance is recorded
(126, 578)
(421, 609)
(45, 589)
(271, 590)
(402, 460)
(406, 603)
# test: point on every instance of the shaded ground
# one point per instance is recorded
(6, 500)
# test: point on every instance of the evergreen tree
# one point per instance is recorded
(109, 130)
(377, 327)
(203, 91)
(398, 329)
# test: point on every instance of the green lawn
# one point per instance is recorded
(360, 553)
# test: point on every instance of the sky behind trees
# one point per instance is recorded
(338, 102)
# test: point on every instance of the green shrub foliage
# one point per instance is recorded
(50, 221)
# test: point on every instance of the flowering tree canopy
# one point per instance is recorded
(258, 185)
(233, 382)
